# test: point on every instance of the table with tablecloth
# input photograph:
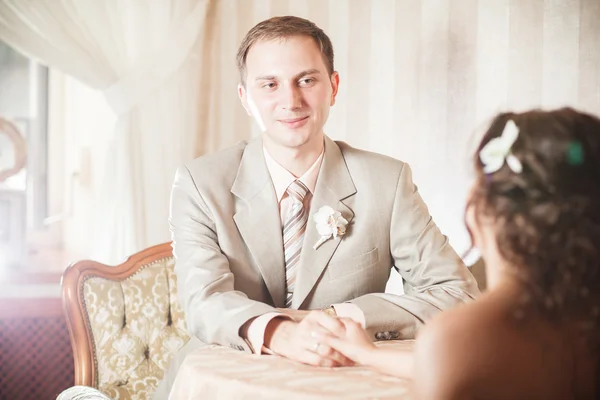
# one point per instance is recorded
(217, 372)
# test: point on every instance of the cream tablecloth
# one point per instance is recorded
(215, 372)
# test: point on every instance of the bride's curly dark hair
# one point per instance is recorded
(547, 217)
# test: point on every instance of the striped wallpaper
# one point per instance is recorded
(420, 79)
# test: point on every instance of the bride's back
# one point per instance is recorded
(507, 353)
(534, 213)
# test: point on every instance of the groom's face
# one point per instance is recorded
(288, 90)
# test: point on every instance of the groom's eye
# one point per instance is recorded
(307, 81)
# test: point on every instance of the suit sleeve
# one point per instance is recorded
(214, 310)
(435, 277)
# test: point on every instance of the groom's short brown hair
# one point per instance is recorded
(283, 28)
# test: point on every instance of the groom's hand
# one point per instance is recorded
(299, 340)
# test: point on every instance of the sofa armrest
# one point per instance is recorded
(82, 393)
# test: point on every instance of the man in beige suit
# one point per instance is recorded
(251, 258)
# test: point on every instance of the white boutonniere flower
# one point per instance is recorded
(497, 151)
(330, 223)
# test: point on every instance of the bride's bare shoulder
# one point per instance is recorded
(460, 348)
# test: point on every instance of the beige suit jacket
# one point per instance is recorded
(229, 251)
(227, 241)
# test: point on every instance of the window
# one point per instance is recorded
(23, 154)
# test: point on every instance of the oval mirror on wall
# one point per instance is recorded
(13, 150)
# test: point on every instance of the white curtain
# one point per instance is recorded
(145, 57)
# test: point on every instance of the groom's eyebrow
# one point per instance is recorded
(266, 78)
(307, 72)
(298, 76)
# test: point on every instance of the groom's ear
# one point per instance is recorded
(243, 94)
(335, 85)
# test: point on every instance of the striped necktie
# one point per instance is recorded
(293, 236)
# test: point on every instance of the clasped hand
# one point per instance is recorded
(304, 339)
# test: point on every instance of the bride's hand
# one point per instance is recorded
(355, 345)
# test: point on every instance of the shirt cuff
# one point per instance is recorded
(352, 311)
(256, 332)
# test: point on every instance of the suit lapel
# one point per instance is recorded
(334, 184)
(258, 219)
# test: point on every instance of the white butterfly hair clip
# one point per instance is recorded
(497, 151)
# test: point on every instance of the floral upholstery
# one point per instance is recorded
(137, 325)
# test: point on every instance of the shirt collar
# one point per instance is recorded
(282, 178)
